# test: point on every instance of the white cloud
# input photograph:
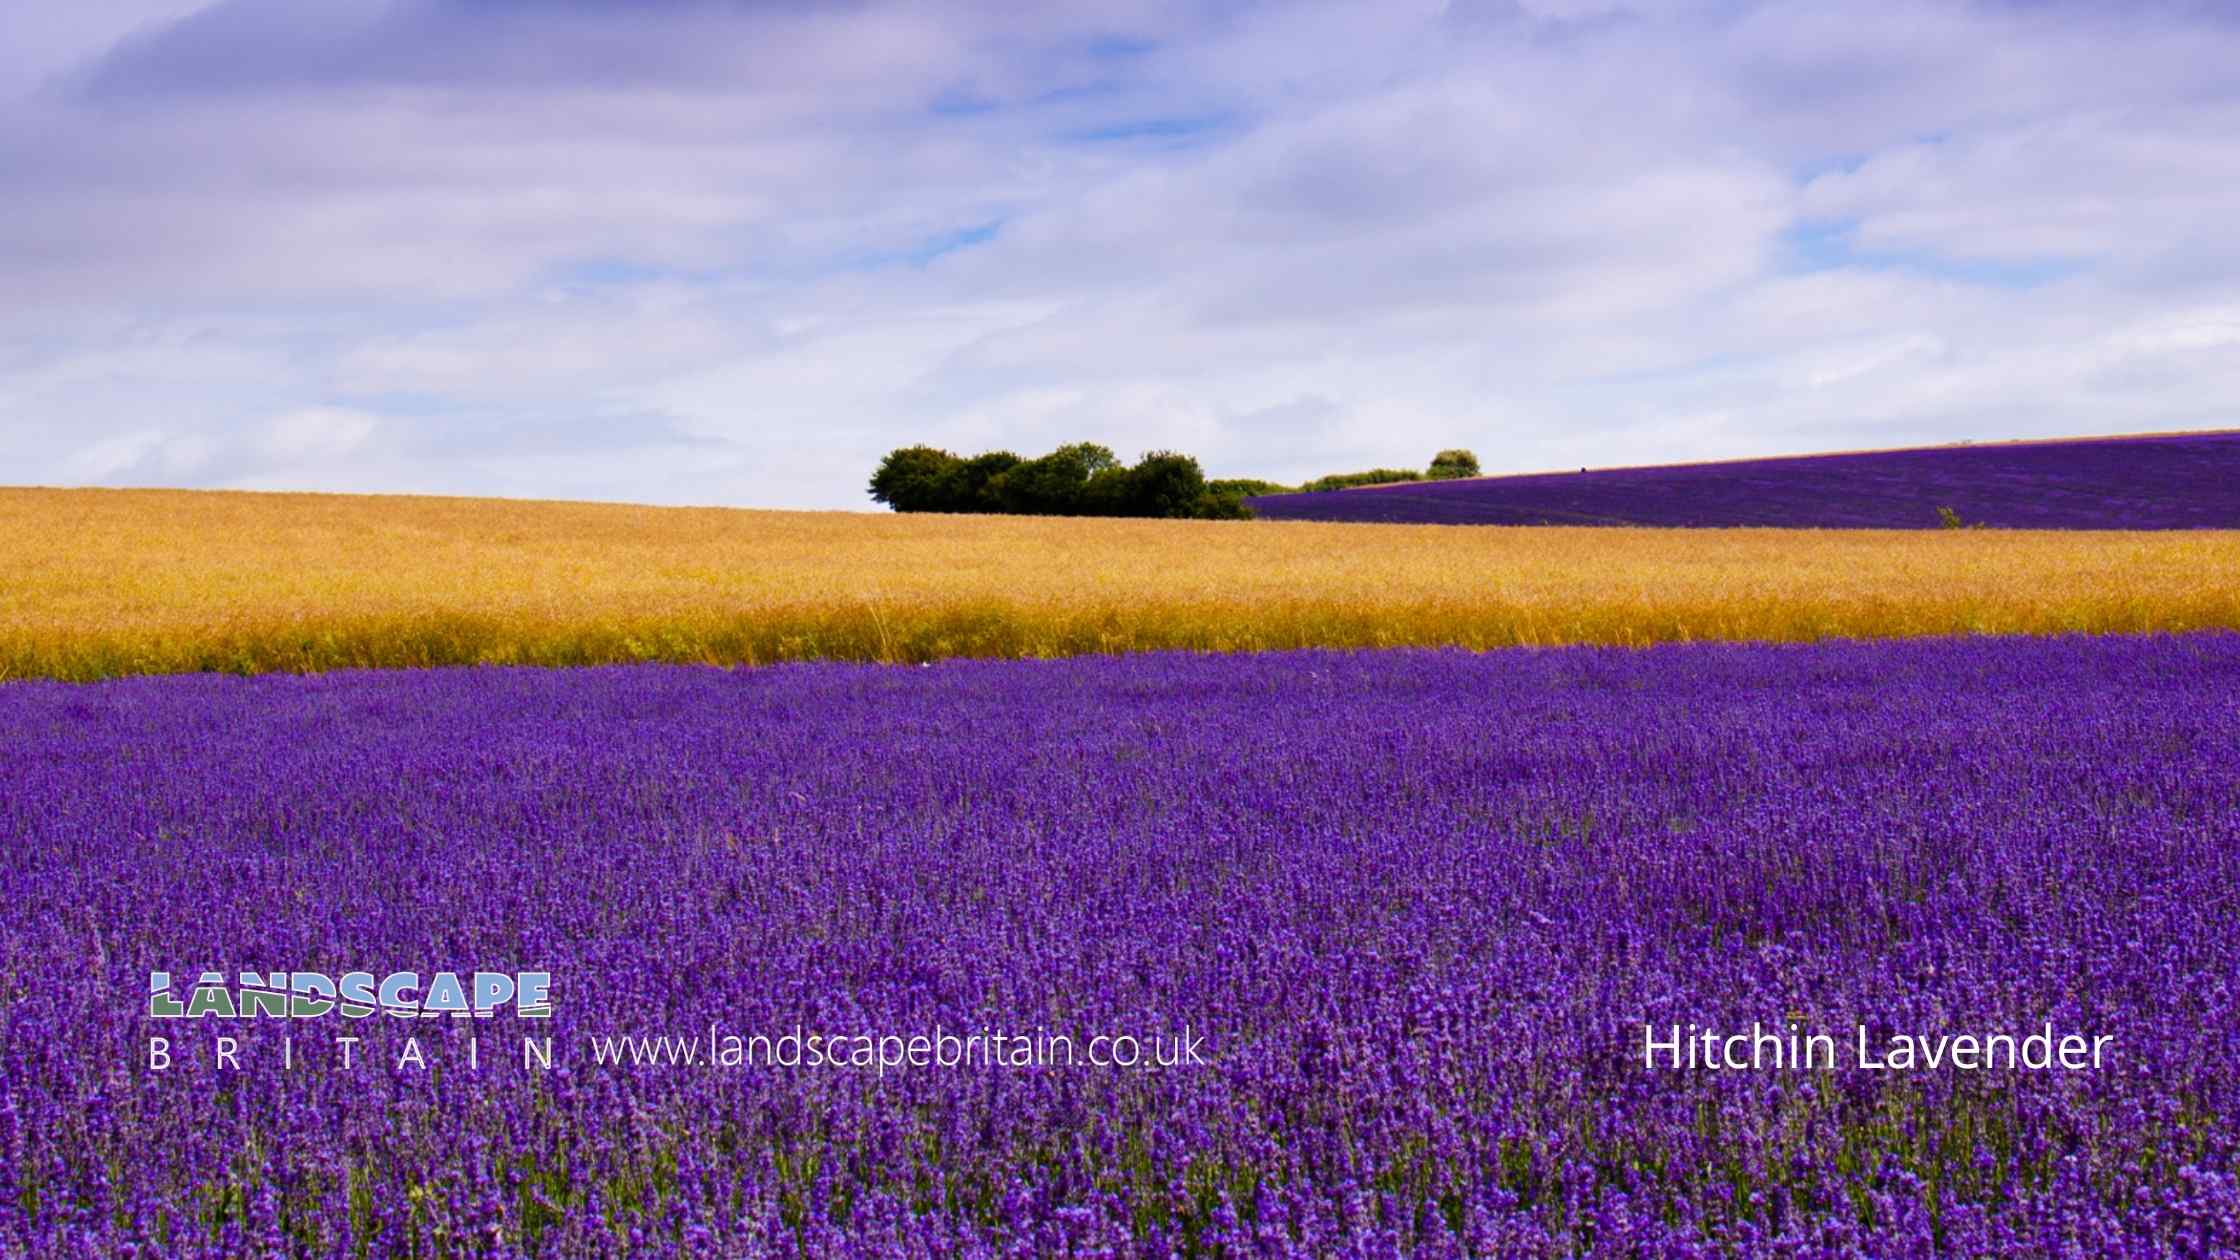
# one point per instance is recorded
(137, 456)
(317, 433)
(113, 455)
(692, 256)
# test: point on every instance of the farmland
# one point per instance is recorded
(1419, 905)
(2173, 481)
(104, 583)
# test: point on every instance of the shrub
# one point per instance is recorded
(1447, 465)
(1246, 487)
(1222, 505)
(1370, 477)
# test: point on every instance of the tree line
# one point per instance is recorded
(1445, 466)
(1086, 479)
(1078, 479)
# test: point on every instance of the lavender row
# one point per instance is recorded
(1421, 910)
(2177, 482)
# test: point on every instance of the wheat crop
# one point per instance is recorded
(97, 583)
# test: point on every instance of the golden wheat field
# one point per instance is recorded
(96, 583)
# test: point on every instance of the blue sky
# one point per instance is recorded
(686, 251)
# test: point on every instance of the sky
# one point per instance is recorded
(689, 251)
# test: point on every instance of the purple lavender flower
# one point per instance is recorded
(1421, 908)
(2189, 481)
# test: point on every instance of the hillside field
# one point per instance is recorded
(101, 583)
(2155, 481)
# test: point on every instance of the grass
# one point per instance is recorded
(98, 583)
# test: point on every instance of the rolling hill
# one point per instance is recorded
(2174, 481)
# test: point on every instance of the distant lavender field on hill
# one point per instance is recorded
(2189, 481)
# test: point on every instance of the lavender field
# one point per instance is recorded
(1418, 908)
(2189, 481)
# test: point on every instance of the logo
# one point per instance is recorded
(354, 995)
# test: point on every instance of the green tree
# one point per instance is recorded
(976, 484)
(1077, 479)
(913, 479)
(1165, 483)
(1055, 484)
(1089, 457)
